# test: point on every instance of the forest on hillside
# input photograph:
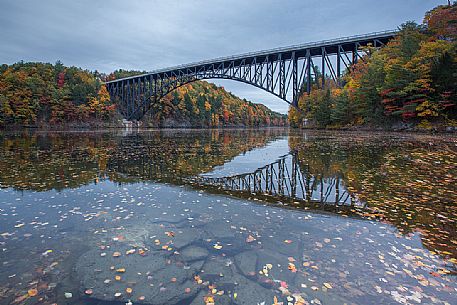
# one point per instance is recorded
(46, 95)
(411, 82)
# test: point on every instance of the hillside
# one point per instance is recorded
(202, 104)
(47, 95)
(410, 83)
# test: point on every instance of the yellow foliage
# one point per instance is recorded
(425, 124)
(427, 109)
(207, 106)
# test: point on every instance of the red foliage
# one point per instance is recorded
(61, 79)
(408, 115)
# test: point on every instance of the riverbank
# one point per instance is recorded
(120, 126)
(405, 129)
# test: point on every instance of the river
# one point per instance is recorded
(266, 216)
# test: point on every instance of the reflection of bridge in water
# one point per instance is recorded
(286, 178)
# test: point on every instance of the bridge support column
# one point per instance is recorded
(308, 71)
(338, 66)
(355, 54)
(323, 67)
(295, 88)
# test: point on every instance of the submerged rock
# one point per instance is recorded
(193, 253)
(159, 277)
(247, 263)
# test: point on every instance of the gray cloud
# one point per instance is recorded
(146, 35)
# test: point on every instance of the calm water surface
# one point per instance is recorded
(227, 217)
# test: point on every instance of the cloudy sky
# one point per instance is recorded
(151, 34)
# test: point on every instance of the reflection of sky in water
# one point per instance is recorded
(252, 160)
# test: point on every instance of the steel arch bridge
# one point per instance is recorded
(283, 72)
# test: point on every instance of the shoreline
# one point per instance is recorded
(348, 130)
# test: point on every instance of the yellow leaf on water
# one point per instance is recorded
(32, 292)
(327, 285)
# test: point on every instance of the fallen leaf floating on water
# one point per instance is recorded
(47, 252)
(328, 286)
(198, 279)
(265, 269)
(299, 300)
(292, 267)
(209, 300)
(250, 239)
(32, 292)
(170, 234)
(275, 301)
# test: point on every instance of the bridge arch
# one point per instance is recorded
(170, 90)
(283, 72)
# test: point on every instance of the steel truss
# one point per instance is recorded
(284, 72)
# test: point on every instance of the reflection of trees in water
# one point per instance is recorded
(174, 155)
(409, 183)
(44, 161)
